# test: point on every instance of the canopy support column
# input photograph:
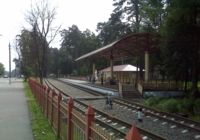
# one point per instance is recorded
(93, 71)
(111, 65)
(111, 68)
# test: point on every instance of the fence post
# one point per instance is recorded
(70, 105)
(43, 98)
(53, 94)
(48, 92)
(133, 134)
(39, 94)
(47, 102)
(89, 121)
(58, 125)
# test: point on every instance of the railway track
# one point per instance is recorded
(174, 127)
(172, 118)
(175, 119)
(112, 124)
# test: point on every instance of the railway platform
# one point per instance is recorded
(103, 89)
(94, 87)
(14, 119)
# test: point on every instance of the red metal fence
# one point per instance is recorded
(68, 123)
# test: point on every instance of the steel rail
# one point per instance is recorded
(179, 121)
(172, 118)
(109, 117)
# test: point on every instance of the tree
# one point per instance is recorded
(112, 30)
(71, 44)
(182, 31)
(41, 19)
(53, 59)
(153, 15)
(74, 44)
(141, 15)
(131, 11)
(2, 69)
(27, 53)
(17, 67)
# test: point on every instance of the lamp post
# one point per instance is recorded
(9, 48)
(9, 63)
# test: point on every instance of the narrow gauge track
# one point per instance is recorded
(112, 124)
(178, 120)
(181, 125)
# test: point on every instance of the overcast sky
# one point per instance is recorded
(83, 13)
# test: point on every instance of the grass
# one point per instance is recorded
(40, 126)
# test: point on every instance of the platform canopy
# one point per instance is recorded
(120, 68)
(124, 48)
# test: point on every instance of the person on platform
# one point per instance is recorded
(109, 101)
(101, 78)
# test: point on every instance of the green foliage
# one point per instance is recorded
(30, 54)
(197, 107)
(189, 106)
(195, 117)
(153, 101)
(186, 106)
(83, 70)
(170, 105)
(74, 44)
(40, 126)
(27, 71)
(113, 29)
(181, 32)
(2, 69)
(131, 11)
(53, 61)
(140, 15)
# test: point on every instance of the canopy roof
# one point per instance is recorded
(129, 46)
(118, 68)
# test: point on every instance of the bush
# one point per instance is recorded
(170, 105)
(197, 107)
(153, 101)
(186, 106)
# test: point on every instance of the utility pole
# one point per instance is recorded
(9, 64)
(9, 75)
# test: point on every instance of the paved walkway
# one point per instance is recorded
(14, 116)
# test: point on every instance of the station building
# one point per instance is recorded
(125, 74)
(138, 46)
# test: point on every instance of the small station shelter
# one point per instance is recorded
(134, 45)
(125, 74)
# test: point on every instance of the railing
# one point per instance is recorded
(129, 91)
(162, 85)
(67, 122)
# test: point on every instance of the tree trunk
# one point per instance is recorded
(41, 77)
(195, 76)
(137, 15)
(195, 62)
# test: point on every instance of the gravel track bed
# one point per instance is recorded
(169, 131)
(151, 124)
(71, 91)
